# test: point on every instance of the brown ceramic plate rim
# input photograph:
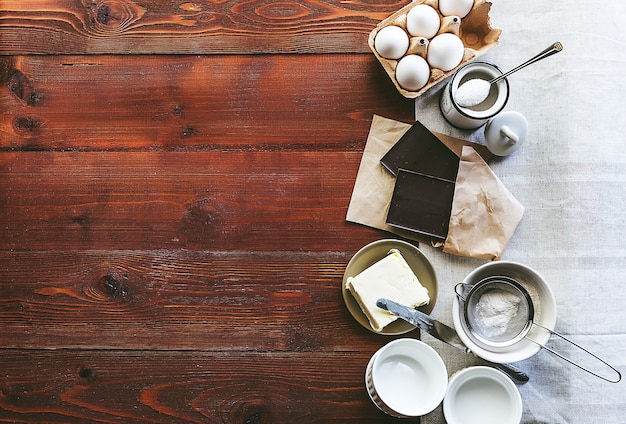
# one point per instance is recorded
(372, 253)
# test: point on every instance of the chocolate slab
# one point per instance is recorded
(421, 151)
(421, 204)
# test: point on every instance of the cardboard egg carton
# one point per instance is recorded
(474, 30)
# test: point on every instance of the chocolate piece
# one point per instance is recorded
(422, 204)
(420, 151)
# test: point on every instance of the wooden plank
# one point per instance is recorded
(178, 300)
(173, 234)
(320, 102)
(196, 387)
(199, 27)
(272, 201)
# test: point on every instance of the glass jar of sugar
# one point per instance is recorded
(471, 117)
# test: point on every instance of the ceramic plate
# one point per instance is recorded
(376, 251)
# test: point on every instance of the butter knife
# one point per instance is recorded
(444, 333)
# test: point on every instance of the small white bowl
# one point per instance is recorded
(406, 378)
(482, 395)
(543, 302)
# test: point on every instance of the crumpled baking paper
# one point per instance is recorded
(484, 213)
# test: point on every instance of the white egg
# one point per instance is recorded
(445, 52)
(423, 21)
(412, 72)
(458, 8)
(391, 42)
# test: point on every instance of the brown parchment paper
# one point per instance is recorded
(484, 212)
(374, 186)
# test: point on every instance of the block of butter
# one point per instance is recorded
(392, 278)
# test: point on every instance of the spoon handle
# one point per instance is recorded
(554, 48)
(518, 376)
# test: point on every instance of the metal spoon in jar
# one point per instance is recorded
(475, 91)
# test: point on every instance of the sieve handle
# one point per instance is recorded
(462, 295)
(619, 375)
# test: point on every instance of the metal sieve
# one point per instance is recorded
(497, 312)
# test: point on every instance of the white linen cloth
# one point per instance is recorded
(570, 174)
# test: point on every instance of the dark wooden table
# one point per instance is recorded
(174, 179)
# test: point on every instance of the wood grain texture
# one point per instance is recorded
(188, 102)
(224, 301)
(195, 27)
(174, 179)
(193, 387)
(272, 201)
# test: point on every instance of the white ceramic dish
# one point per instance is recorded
(372, 253)
(543, 302)
(406, 378)
(482, 395)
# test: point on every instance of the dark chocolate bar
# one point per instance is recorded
(421, 204)
(420, 151)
